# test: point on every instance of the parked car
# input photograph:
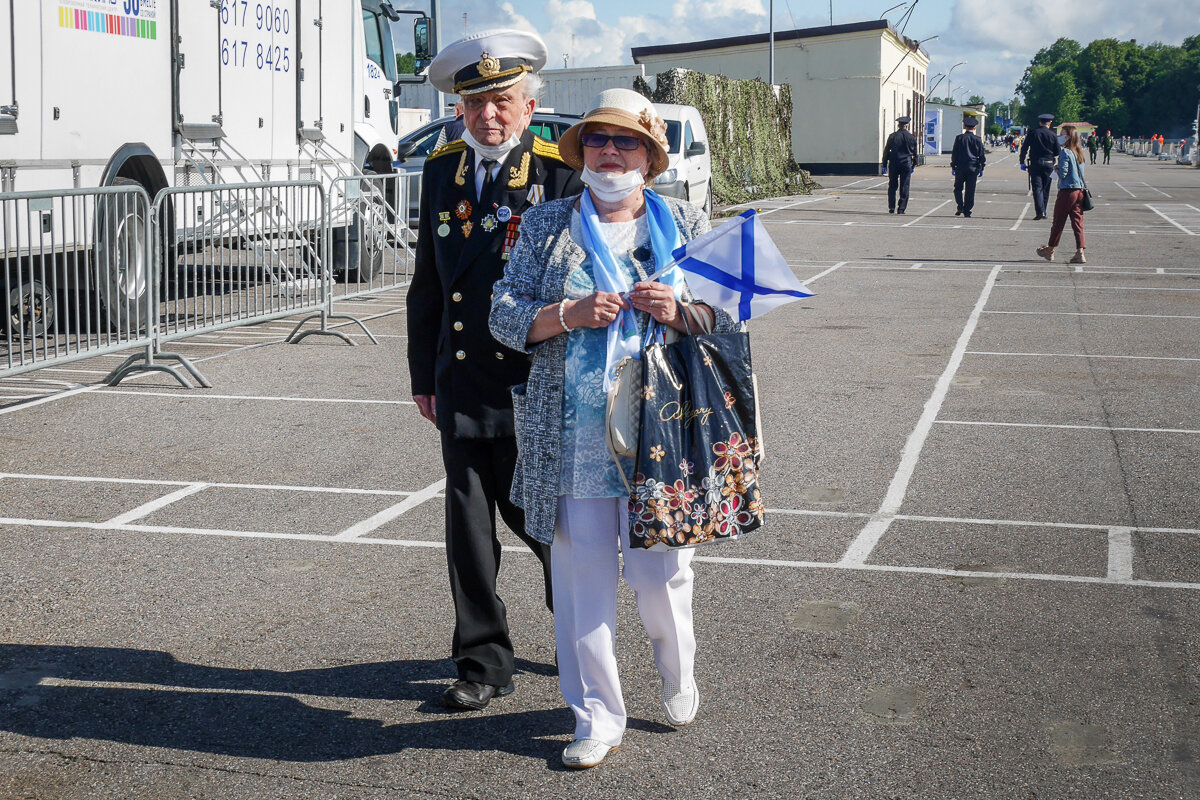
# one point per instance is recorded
(415, 147)
(689, 168)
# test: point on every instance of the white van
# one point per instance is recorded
(689, 170)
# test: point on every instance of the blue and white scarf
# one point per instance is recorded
(664, 237)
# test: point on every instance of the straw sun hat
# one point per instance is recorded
(627, 109)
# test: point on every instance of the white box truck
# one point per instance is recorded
(165, 93)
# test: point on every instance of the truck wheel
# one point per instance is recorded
(708, 200)
(358, 249)
(30, 311)
(121, 272)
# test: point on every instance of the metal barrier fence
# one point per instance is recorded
(97, 271)
(371, 246)
(77, 275)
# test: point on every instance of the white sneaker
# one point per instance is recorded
(680, 703)
(584, 753)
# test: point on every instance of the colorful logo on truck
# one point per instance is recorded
(132, 18)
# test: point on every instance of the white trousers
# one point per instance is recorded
(590, 534)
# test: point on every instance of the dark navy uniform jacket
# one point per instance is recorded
(460, 242)
(900, 152)
(968, 154)
(1040, 144)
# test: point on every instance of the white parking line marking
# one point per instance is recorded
(266, 398)
(1081, 355)
(1021, 218)
(820, 275)
(1106, 428)
(860, 549)
(282, 487)
(50, 398)
(1126, 191)
(145, 509)
(1168, 219)
(1097, 314)
(916, 266)
(388, 514)
(805, 202)
(1120, 554)
(762, 562)
(926, 214)
(1151, 188)
(1075, 287)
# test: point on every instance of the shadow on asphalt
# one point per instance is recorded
(245, 713)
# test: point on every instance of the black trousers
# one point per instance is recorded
(898, 178)
(964, 190)
(479, 475)
(1040, 179)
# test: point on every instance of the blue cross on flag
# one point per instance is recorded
(738, 268)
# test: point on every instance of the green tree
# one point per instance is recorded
(994, 130)
(406, 64)
(975, 100)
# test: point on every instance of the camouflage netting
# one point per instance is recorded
(749, 129)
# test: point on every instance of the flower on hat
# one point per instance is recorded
(654, 126)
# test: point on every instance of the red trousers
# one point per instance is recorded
(1067, 204)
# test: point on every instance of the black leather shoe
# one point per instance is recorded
(891, 211)
(966, 213)
(958, 213)
(472, 696)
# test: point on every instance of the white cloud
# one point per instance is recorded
(998, 40)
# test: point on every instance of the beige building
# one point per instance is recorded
(849, 84)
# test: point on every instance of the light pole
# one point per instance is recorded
(893, 8)
(946, 77)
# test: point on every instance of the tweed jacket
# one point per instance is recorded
(536, 276)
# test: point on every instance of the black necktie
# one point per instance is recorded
(486, 188)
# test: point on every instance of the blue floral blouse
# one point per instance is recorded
(588, 469)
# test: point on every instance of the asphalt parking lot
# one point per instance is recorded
(980, 576)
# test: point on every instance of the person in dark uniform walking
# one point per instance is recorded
(967, 161)
(899, 159)
(1107, 144)
(1039, 154)
(473, 191)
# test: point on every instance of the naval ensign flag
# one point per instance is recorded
(738, 268)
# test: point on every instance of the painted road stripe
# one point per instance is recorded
(145, 509)
(1081, 355)
(860, 549)
(820, 275)
(266, 398)
(1021, 218)
(388, 514)
(730, 561)
(926, 214)
(1064, 427)
(1120, 554)
(1097, 314)
(1168, 219)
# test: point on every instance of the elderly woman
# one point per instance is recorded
(575, 295)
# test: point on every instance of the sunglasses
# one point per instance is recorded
(619, 142)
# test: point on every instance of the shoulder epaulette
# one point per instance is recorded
(546, 149)
(447, 148)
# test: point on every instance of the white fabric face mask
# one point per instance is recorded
(497, 152)
(613, 187)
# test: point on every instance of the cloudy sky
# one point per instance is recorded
(995, 37)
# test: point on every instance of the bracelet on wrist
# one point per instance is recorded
(562, 304)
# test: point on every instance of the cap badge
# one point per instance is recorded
(488, 67)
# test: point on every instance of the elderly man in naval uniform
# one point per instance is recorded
(473, 192)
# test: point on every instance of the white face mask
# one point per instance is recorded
(613, 187)
(498, 152)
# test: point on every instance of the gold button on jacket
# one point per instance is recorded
(458, 326)
(460, 355)
(456, 297)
